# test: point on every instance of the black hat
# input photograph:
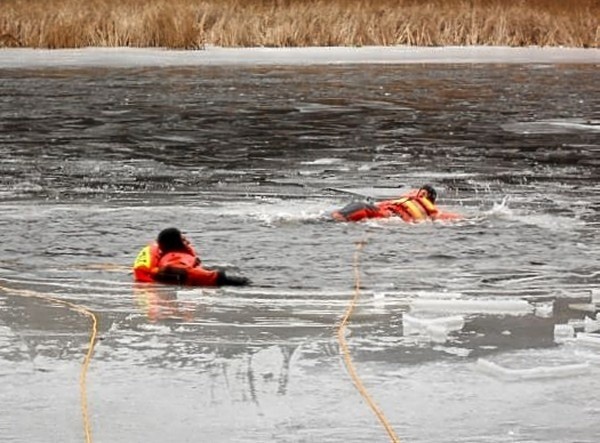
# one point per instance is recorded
(170, 239)
(432, 193)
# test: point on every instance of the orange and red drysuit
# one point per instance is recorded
(412, 208)
(179, 267)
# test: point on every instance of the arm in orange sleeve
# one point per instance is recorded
(182, 268)
(447, 216)
(357, 211)
(198, 276)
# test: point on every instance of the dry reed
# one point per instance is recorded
(192, 24)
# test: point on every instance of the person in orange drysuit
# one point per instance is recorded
(413, 207)
(173, 260)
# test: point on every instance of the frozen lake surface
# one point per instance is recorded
(217, 56)
(453, 335)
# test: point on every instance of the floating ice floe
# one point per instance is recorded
(567, 332)
(576, 323)
(539, 372)
(590, 325)
(437, 329)
(472, 306)
(452, 350)
(544, 310)
(585, 307)
(377, 299)
(554, 126)
(563, 333)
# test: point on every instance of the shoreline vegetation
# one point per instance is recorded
(194, 24)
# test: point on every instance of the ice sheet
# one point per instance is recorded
(136, 57)
(532, 373)
(474, 306)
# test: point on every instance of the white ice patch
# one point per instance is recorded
(596, 296)
(437, 295)
(452, 350)
(474, 306)
(538, 372)
(324, 304)
(563, 333)
(587, 339)
(557, 126)
(436, 329)
(218, 56)
(583, 307)
(378, 301)
(543, 310)
(591, 325)
(323, 161)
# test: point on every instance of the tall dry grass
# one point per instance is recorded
(191, 24)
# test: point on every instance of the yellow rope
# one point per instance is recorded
(346, 353)
(88, 355)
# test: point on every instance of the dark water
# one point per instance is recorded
(249, 162)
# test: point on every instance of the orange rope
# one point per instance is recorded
(88, 356)
(346, 352)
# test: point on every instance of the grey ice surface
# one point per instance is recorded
(135, 57)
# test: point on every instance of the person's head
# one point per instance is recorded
(170, 239)
(429, 192)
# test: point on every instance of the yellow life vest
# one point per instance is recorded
(416, 212)
(146, 262)
(429, 207)
(143, 259)
(412, 208)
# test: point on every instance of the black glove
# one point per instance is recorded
(233, 280)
